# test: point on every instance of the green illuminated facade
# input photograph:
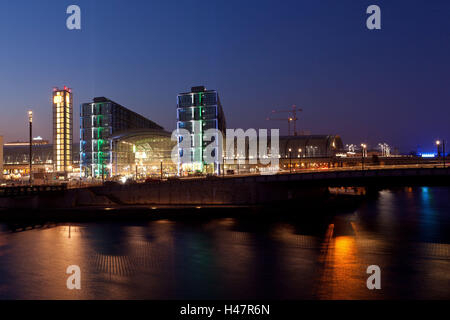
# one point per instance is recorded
(99, 121)
(198, 111)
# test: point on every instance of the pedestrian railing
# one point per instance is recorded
(30, 190)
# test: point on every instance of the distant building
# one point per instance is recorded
(62, 130)
(100, 121)
(1, 157)
(18, 154)
(198, 111)
(310, 146)
(16, 159)
(38, 141)
(296, 152)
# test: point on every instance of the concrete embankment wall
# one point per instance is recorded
(205, 192)
(64, 199)
(182, 192)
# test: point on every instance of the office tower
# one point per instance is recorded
(198, 111)
(62, 130)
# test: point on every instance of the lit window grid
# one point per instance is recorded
(195, 127)
(62, 136)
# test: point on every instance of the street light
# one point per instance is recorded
(137, 170)
(363, 151)
(30, 122)
(290, 160)
(443, 150)
(438, 143)
(161, 169)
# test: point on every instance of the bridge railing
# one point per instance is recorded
(30, 190)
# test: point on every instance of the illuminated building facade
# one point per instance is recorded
(143, 153)
(38, 141)
(310, 146)
(100, 121)
(16, 159)
(62, 130)
(198, 111)
(17, 153)
(1, 157)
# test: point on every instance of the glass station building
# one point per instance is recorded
(109, 140)
(143, 153)
(198, 111)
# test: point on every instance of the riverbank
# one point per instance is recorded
(314, 208)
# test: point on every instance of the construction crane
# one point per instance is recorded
(292, 118)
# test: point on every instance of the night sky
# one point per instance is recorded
(390, 85)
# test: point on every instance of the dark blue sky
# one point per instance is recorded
(389, 85)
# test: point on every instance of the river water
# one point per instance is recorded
(405, 232)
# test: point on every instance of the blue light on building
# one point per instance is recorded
(428, 155)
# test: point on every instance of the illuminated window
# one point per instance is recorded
(57, 98)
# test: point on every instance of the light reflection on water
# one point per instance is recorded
(405, 232)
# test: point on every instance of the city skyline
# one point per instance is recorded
(383, 86)
(225, 158)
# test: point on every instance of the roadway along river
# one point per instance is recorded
(405, 232)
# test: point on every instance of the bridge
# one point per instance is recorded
(244, 190)
(260, 189)
(381, 177)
